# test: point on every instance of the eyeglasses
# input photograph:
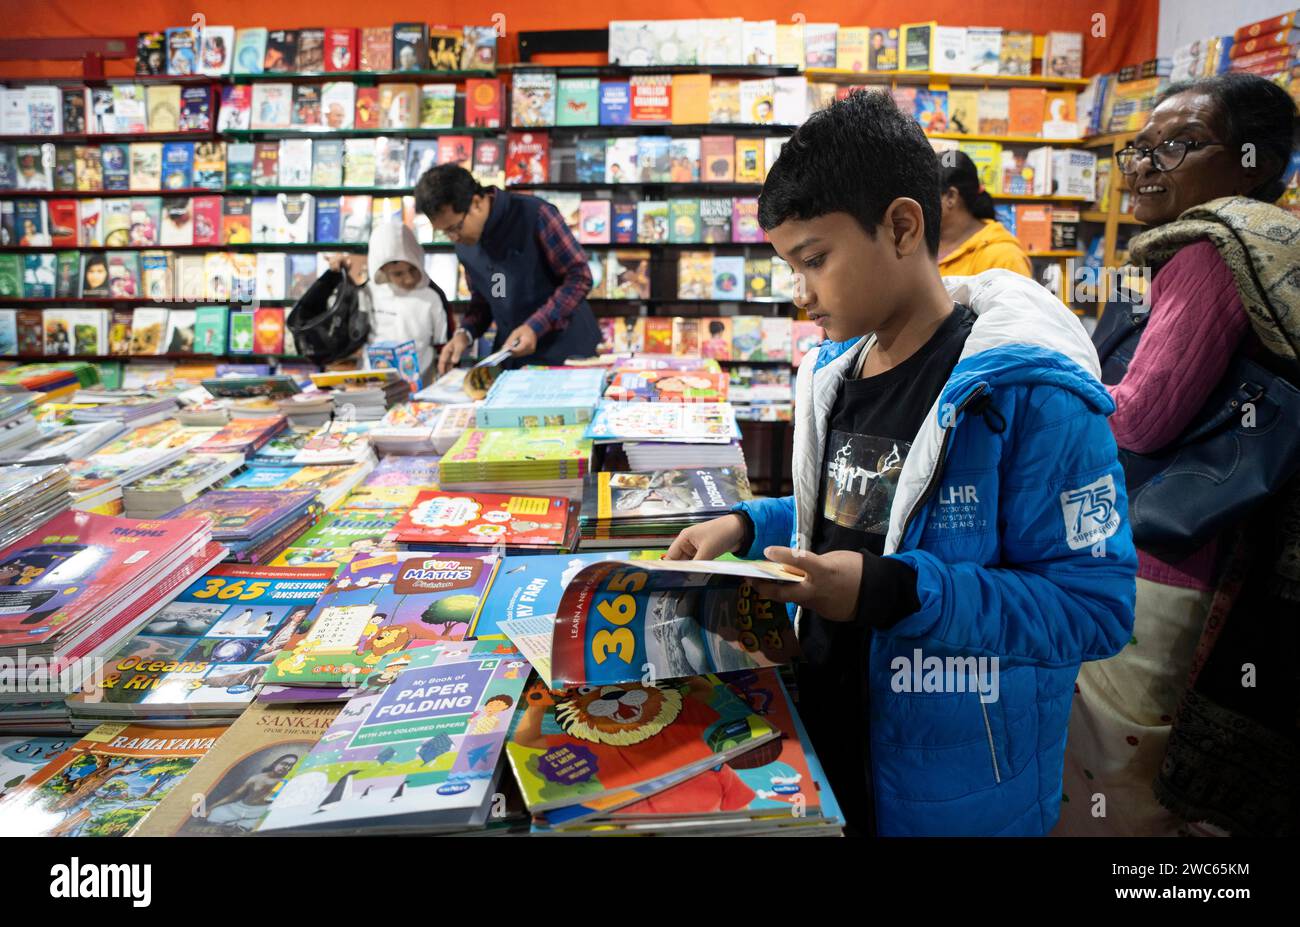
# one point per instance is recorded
(1164, 157)
(453, 231)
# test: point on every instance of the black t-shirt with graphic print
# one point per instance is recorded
(869, 434)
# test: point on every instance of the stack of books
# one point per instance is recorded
(97, 480)
(255, 526)
(243, 436)
(487, 522)
(394, 484)
(662, 435)
(58, 443)
(81, 584)
(407, 429)
(331, 484)
(363, 395)
(338, 442)
(548, 461)
(17, 426)
(649, 509)
(541, 396)
(174, 486)
(129, 407)
(216, 649)
(31, 496)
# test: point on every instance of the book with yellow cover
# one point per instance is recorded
(690, 99)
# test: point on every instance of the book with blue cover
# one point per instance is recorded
(531, 585)
(615, 103)
(540, 396)
(417, 753)
(327, 219)
(177, 165)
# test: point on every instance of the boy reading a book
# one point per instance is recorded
(958, 508)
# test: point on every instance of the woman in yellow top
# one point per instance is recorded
(970, 238)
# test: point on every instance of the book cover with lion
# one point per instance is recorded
(379, 605)
(584, 750)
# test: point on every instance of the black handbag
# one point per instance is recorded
(1240, 449)
(327, 322)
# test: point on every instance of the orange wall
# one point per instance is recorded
(1130, 25)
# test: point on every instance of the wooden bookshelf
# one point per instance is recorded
(1110, 218)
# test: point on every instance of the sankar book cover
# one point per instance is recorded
(417, 753)
(238, 776)
(379, 605)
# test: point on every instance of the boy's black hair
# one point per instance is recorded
(1252, 111)
(857, 156)
(445, 185)
(958, 171)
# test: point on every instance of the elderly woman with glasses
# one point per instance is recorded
(1175, 734)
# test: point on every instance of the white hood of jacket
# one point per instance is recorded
(403, 315)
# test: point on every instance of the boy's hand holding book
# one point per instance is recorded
(709, 540)
(830, 586)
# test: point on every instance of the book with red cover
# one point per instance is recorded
(242, 435)
(341, 49)
(456, 149)
(528, 157)
(268, 330)
(79, 566)
(207, 220)
(483, 96)
(366, 109)
(440, 520)
(63, 223)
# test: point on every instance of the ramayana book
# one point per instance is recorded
(104, 783)
(677, 617)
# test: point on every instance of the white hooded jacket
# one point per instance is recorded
(397, 315)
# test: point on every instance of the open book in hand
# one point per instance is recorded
(668, 619)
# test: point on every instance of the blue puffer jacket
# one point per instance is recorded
(1011, 508)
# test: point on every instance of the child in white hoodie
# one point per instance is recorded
(403, 303)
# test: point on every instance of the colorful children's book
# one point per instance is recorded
(443, 520)
(356, 530)
(703, 422)
(106, 782)
(667, 386)
(530, 586)
(417, 754)
(203, 655)
(21, 757)
(238, 515)
(379, 605)
(570, 748)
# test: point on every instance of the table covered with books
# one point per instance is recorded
(354, 603)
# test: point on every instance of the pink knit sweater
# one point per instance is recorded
(1196, 325)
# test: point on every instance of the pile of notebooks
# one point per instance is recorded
(255, 526)
(102, 577)
(548, 461)
(58, 443)
(31, 496)
(97, 480)
(363, 395)
(17, 427)
(649, 508)
(130, 407)
(408, 429)
(182, 482)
